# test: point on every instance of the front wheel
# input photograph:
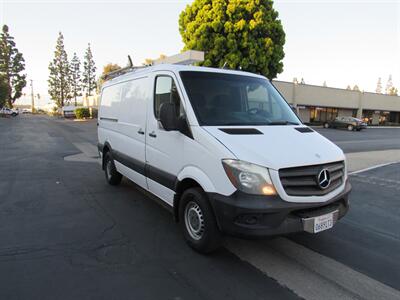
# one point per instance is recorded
(326, 125)
(198, 222)
(350, 127)
(112, 175)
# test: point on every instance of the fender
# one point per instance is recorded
(199, 176)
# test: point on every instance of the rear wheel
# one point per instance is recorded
(112, 175)
(350, 127)
(198, 222)
(326, 125)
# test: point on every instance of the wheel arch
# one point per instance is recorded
(190, 177)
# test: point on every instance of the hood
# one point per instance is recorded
(277, 147)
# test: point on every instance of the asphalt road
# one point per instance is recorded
(66, 234)
(370, 139)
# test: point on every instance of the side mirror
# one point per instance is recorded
(168, 117)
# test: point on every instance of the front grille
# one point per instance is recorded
(302, 181)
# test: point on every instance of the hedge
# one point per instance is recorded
(82, 113)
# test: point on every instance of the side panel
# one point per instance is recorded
(124, 126)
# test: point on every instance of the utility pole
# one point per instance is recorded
(32, 97)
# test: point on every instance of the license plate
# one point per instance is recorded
(323, 222)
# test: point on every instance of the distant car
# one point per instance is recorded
(9, 112)
(26, 111)
(349, 123)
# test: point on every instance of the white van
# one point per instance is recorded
(223, 150)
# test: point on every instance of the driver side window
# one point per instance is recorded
(166, 92)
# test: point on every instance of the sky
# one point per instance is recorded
(337, 41)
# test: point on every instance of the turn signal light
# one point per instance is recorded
(268, 190)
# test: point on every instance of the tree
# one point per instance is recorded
(244, 35)
(110, 67)
(60, 74)
(3, 91)
(389, 85)
(379, 86)
(393, 91)
(76, 84)
(150, 61)
(348, 87)
(89, 72)
(12, 64)
(356, 88)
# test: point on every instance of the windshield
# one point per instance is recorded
(228, 99)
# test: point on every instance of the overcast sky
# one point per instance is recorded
(340, 42)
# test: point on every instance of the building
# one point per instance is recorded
(317, 104)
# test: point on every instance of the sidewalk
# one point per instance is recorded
(358, 161)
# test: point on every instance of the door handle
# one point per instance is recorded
(140, 131)
(153, 134)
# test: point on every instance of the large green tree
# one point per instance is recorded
(12, 65)
(237, 34)
(60, 74)
(110, 67)
(89, 72)
(3, 91)
(76, 83)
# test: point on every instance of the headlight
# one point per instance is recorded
(249, 178)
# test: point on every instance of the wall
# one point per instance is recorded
(311, 95)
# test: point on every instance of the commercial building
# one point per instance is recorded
(317, 104)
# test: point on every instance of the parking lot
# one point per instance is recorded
(66, 234)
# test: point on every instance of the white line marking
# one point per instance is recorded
(307, 273)
(373, 167)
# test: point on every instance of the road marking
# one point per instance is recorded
(307, 273)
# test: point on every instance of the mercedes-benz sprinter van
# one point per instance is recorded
(223, 150)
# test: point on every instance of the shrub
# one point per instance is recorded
(82, 113)
(95, 113)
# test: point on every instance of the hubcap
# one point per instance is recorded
(194, 220)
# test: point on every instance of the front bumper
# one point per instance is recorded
(247, 215)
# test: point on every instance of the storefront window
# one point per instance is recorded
(322, 114)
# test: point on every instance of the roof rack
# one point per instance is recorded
(185, 58)
(122, 71)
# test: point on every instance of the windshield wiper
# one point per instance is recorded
(282, 123)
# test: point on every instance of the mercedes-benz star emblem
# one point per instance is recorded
(324, 179)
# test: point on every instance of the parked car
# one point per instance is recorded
(349, 123)
(9, 112)
(222, 150)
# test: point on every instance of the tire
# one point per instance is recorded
(14, 114)
(350, 127)
(111, 173)
(358, 129)
(326, 125)
(198, 222)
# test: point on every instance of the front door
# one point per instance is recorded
(164, 149)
